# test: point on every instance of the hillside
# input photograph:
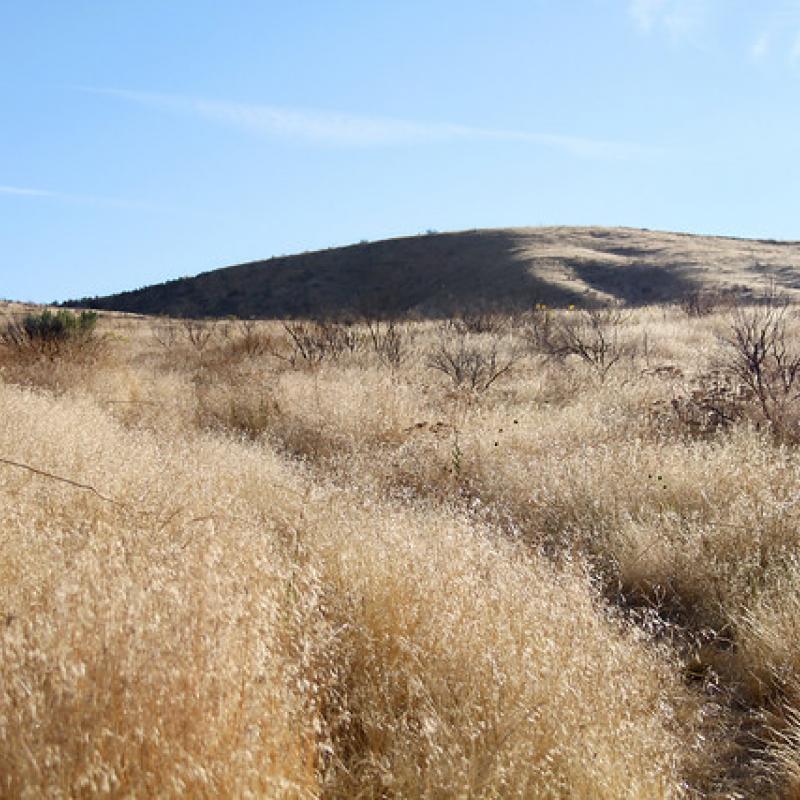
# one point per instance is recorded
(437, 274)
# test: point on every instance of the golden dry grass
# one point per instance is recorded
(226, 574)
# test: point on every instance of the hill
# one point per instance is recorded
(438, 274)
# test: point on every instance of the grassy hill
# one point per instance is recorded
(437, 274)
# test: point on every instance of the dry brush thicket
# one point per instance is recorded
(553, 555)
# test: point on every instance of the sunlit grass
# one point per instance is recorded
(234, 575)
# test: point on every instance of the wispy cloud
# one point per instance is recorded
(356, 130)
(778, 39)
(681, 20)
(23, 191)
(646, 13)
(794, 50)
(68, 197)
(771, 30)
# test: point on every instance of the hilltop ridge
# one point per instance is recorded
(437, 274)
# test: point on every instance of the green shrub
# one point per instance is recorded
(50, 334)
(61, 325)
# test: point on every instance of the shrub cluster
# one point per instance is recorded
(471, 362)
(590, 334)
(50, 334)
(761, 350)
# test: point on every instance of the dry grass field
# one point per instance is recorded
(550, 555)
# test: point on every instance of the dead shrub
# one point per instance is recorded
(165, 334)
(591, 335)
(199, 333)
(700, 303)
(389, 341)
(761, 351)
(241, 341)
(537, 327)
(315, 341)
(479, 320)
(249, 340)
(713, 402)
(470, 363)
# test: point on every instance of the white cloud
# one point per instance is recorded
(647, 13)
(774, 26)
(779, 33)
(356, 130)
(21, 191)
(67, 197)
(761, 47)
(681, 20)
(794, 51)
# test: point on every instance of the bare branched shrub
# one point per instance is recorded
(165, 333)
(470, 363)
(226, 328)
(199, 333)
(537, 327)
(319, 340)
(699, 303)
(247, 339)
(308, 345)
(761, 350)
(590, 334)
(236, 343)
(388, 341)
(712, 403)
(480, 321)
(250, 339)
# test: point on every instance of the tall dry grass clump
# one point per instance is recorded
(148, 646)
(467, 667)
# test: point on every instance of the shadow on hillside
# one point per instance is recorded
(783, 276)
(429, 276)
(635, 284)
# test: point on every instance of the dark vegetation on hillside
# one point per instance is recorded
(437, 275)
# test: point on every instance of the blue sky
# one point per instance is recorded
(143, 140)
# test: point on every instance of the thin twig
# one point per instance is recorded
(68, 481)
(138, 402)
(87, 487)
